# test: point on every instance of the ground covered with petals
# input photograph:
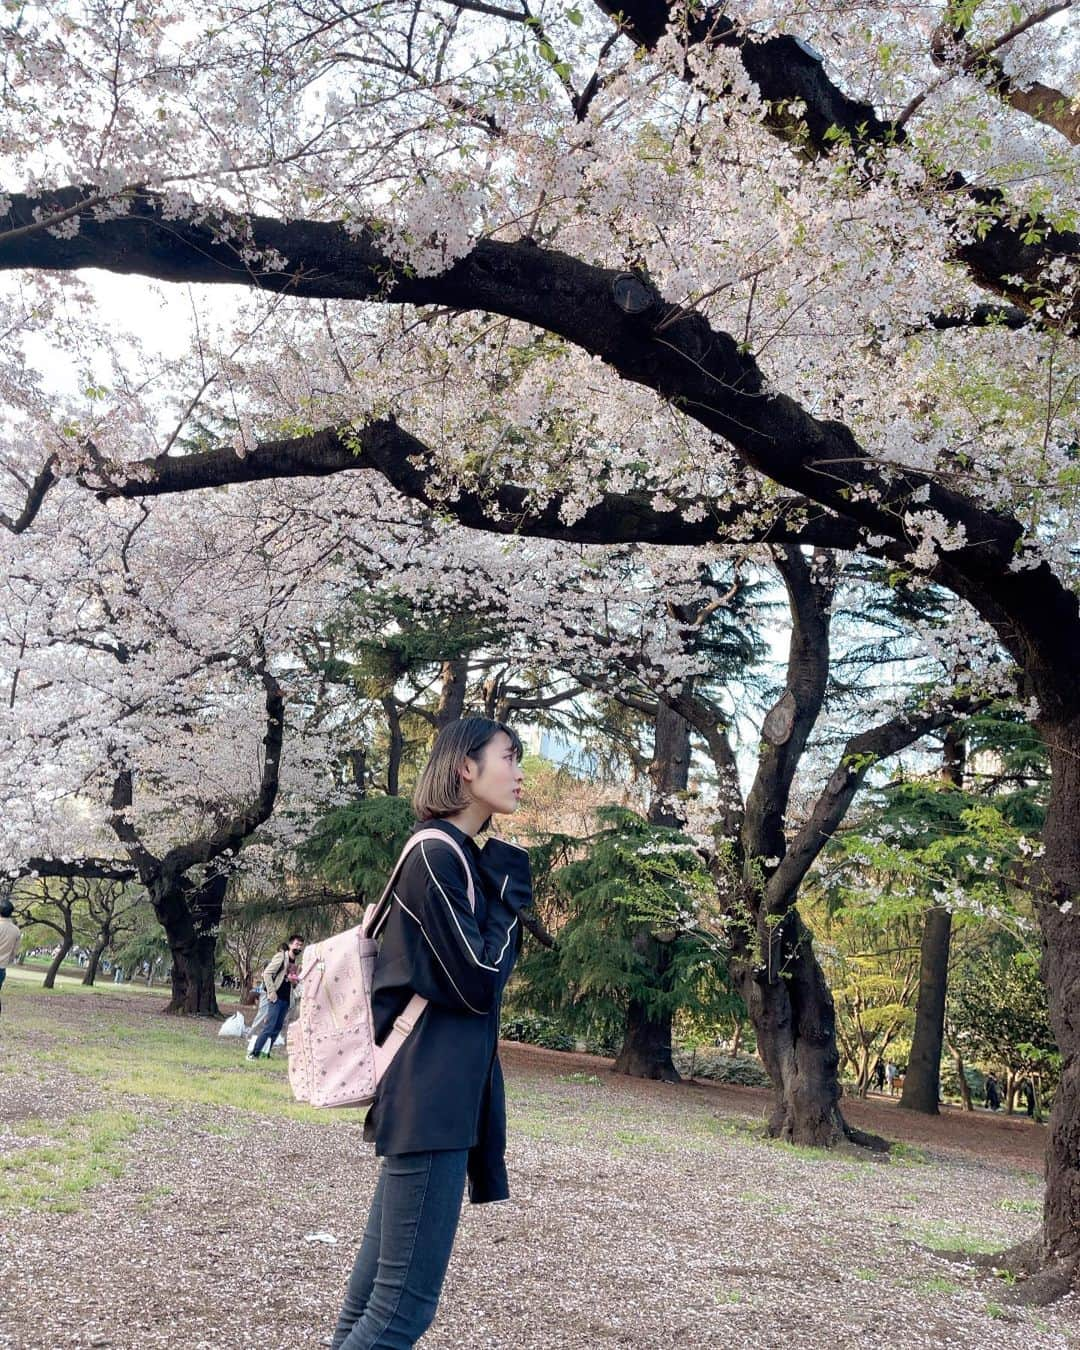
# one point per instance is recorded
(156, 1191)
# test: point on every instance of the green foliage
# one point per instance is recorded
(998, 1012)
(718, 1067)
(355, 846)
(533, 1029)
(623, 912)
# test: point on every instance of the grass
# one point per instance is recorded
(937, 1284)
(32, 975)
(1021, 1206)
(74, 1156)
(172, 1060)
(943, 1237)
(147, 1203)
(900, 1152)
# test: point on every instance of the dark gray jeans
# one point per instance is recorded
(399, 1271)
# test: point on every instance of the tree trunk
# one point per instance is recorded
(92, 964)
(736, 1039)
(865, 1072)
(358, 768)
(190, 914)
(1059, 919)
(646, 1047)
(62, 950)
(1011, 1086)
(792, 1013)
(455, 682)
(965, 1089)
(922, 1082)
(396, 748)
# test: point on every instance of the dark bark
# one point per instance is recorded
(358, 768)
(794, 1020)
(396, 746)
(190, 909)
(618, 517)
(922, 1082)
(455, 683)
(190, 913)
(1059, 916)
(646, 1047)
(95, 960)
(1009, 259)
(63, 947)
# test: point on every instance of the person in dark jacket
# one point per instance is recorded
(439, 1116)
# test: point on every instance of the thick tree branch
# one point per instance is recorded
(147, 866)
(809, 584)
(505, 509)
(1010, 259)
(103, 869)
(953, 51)
(34, 497)
(243, 824)
(707, 373)
(859, 755)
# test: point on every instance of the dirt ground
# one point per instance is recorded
(643, 1215)
(1014, 1141)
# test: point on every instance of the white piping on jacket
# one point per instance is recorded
(509, 935)
(438, 958)
(450, 907)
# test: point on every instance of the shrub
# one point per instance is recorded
(742, 1070)
(532, 1029)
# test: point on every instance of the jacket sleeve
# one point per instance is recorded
(270, 974)
(467, 962)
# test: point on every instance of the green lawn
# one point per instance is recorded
(69, 980)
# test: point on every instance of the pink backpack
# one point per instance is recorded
(333, 1058)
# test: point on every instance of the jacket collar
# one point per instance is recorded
(458, 836)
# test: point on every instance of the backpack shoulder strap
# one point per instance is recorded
(376, 915)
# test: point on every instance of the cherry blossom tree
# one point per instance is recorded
(683, 276)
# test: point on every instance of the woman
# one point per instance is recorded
(440, 1117)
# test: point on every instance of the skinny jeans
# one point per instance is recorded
(399, 1270)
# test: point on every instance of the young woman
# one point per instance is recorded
(439, 1118)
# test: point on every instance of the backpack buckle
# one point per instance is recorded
(401, 1025)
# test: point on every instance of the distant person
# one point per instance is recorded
(10, 937)
(890, 1076)
(993, 1093)
(280, 975)
(879, 1076)
(1027, 1089)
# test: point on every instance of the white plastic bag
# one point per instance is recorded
(233, 1026)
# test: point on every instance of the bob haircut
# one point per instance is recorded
(439, 791)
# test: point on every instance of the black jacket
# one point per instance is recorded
(444, 1089)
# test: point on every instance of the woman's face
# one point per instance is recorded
(495, 780)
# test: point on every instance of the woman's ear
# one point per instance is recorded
(467, 770)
